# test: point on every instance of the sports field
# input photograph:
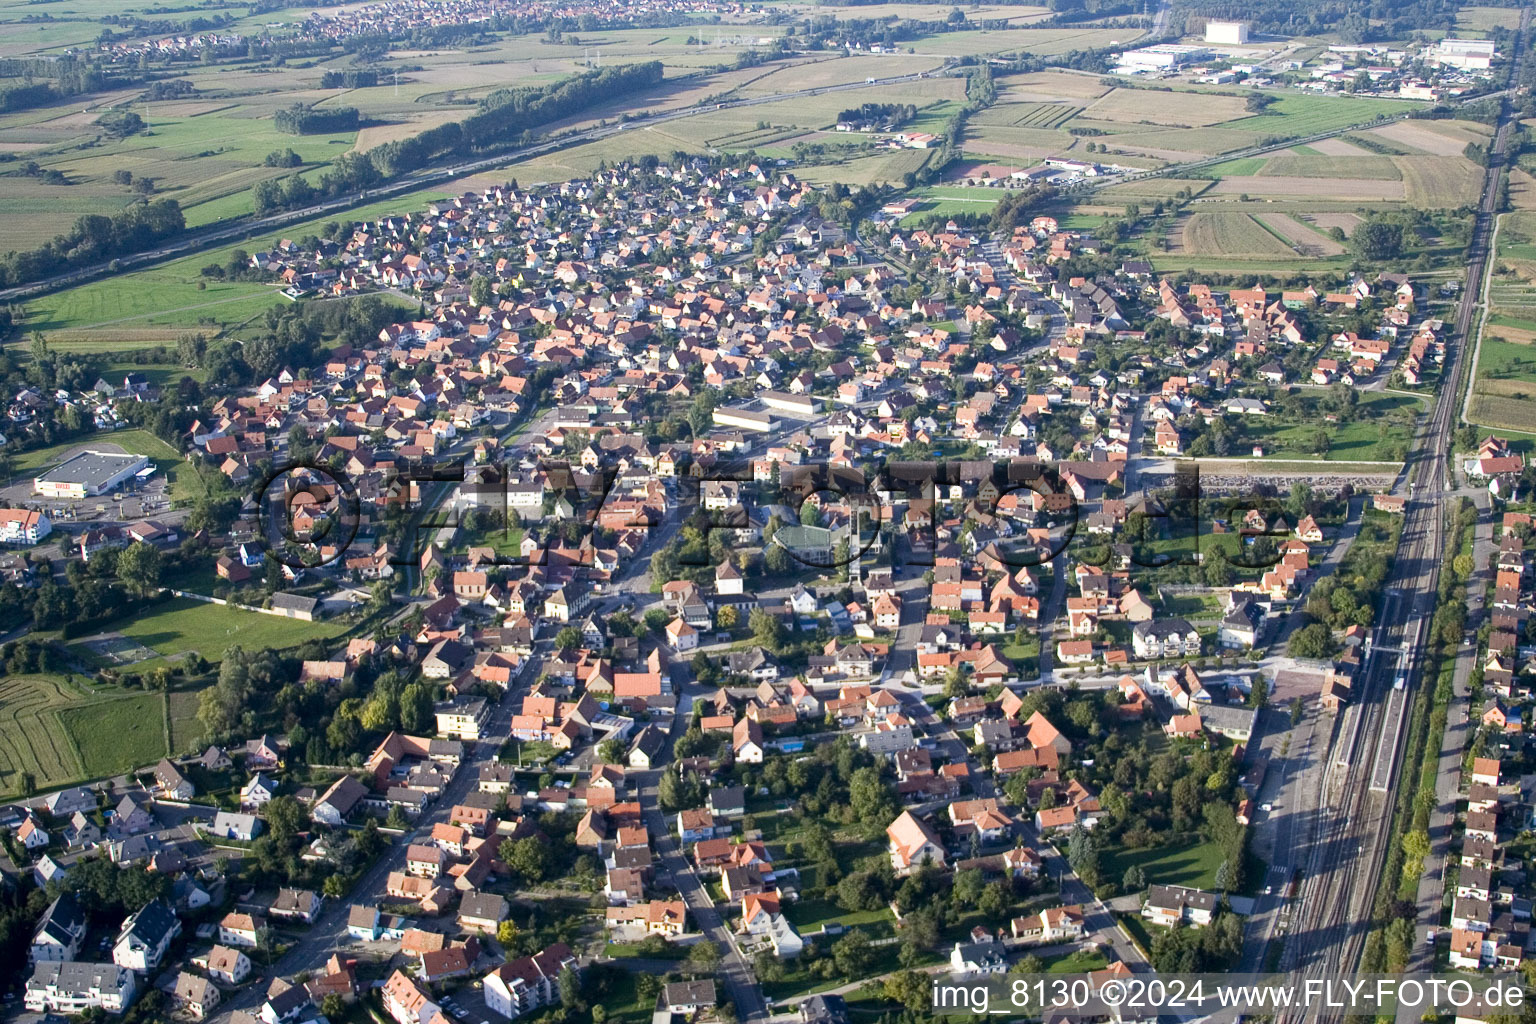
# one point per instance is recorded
(175, 627)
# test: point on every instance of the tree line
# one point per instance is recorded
(95, 237)
(505, 115)
(301, 120)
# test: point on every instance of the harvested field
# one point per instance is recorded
(1202, 141)
(377, 135)
(1146, 106)
(1231, 234)
(1308, 241)
(1156, 188)
(1438, 181)
(1338, 147)
(1361, 189)
(1513, 335)
(1501, 412)
(1440, 138)
(1292, 164)
(1049, 85)
(1325, 221)
(1522, 190)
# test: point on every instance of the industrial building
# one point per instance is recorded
(1467, 54)
(1226, 33)
(1160, 58)
(87, 474)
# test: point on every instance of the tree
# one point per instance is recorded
(766, 629)
(1313, 640)
(529, 857)
(767, 967)
(994, 901)
(727, 617)
(1135, 879)
(138, 567)
(912, 989)
(853, 955)
(568, 639)
(507, 934)
(968, 887)
(1377, 240)
(480, 292)
(1259, 695)
(704, 955)
(570, 988)
(335, 886)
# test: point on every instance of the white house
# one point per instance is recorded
(145, 937)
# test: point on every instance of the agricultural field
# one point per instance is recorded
(207, 151)
(1047, 42)
(1291, 163)
(1481, 19)
(1303, 237)
(1294, 115)
(1049, 87)
(1025, 144)
(1504, 388)
(118, 736)
(1027, 115)
(60, 732)
(1147, 106)
(1229, 234)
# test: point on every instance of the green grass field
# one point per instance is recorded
(119, 735)
(1192, 863)
(1293, 115)
(61, 732)
(1380, 434)
(180, 625)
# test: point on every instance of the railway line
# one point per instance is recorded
(1347, 842)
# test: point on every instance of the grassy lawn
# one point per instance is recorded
(809, 915)
(1192, 863)
(186, 730)
(184, 483)
(801, 982)
(1139, 929)
(114, 736)
(1077, 962)
(180, 625)
(632, 949)
(1191, 605)
(624, 1004)
(1380, 433)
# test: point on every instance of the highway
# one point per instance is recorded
(1344, 844)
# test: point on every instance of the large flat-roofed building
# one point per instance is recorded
(1160, 57)
(1467, 54)
(87, 474)
(1229, 33)
(745, 419)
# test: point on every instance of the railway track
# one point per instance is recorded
(1351, 828)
